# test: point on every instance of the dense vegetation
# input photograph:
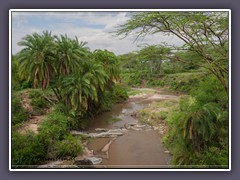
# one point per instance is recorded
(69, 84)
(72, 82)
(198, 124)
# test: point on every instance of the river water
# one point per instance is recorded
(139, 147)
(136, 148)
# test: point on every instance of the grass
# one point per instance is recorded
(158, 111)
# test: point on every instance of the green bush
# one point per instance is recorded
(27, 149)
(210, 90)
(54, 127)
(214, 157)
(184, 82)
(119, 93)
(38, 102)
(195, 130)
(19, 114)
(199, 129)
(105, 102)
(74, 120)
(133, 78)
(69, 147)
(50, 142)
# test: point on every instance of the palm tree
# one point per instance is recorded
(96, 71)
(37, 58)
(69, 57)
(110, 64)
(99, 79)
(77, 90)
(69, 54)
(204, 126)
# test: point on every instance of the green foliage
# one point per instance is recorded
(84, 84)
(214, 157)
(110, 63)
(158, 112)
(155, 82)
(54, 127)
(128, 61)
(108, 98)
(183, 82)
(50, 142)
(119, 93)
(27, 149)
(152, 57)
(133, 79)
(18, 82)
(38, 102)
(69, 54)
(69, 147)
(36, 58)
(210, 90)
(204, 33)
(83, 81)
(19, 114)
(199, 128)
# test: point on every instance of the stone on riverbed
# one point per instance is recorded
(109, 133)
(95, 160)
(84, 163)
(88, 162)
(57, 165)
(101, 129)
(137, 127)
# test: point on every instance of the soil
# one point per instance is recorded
(33, 120)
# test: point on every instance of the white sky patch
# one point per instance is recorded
(95, 28)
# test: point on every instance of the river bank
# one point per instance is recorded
(138, 146)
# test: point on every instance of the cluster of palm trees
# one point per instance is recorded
(77, 76)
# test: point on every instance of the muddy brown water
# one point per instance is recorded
(136, 148)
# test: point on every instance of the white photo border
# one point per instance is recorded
(116, 10)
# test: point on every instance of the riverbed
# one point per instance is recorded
(120, 140)
(137, 147)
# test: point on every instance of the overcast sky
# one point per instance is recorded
(93, 27)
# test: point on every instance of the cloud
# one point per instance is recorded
(93, 27)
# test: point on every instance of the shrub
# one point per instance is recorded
(27, 149)
(19, 114)
(214, 157)
(133, 78)
(119, 93)
(38, 102)
(210, 90)
(194, 128)
(54, 127)
(69, 147)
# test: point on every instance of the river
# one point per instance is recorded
(136, 148)
(139, 146)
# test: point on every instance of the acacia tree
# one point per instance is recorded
(154, 56)
(205, 33)
(129, 60)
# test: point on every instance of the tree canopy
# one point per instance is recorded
(205, 33)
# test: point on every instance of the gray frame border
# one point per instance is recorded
(4, 80)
